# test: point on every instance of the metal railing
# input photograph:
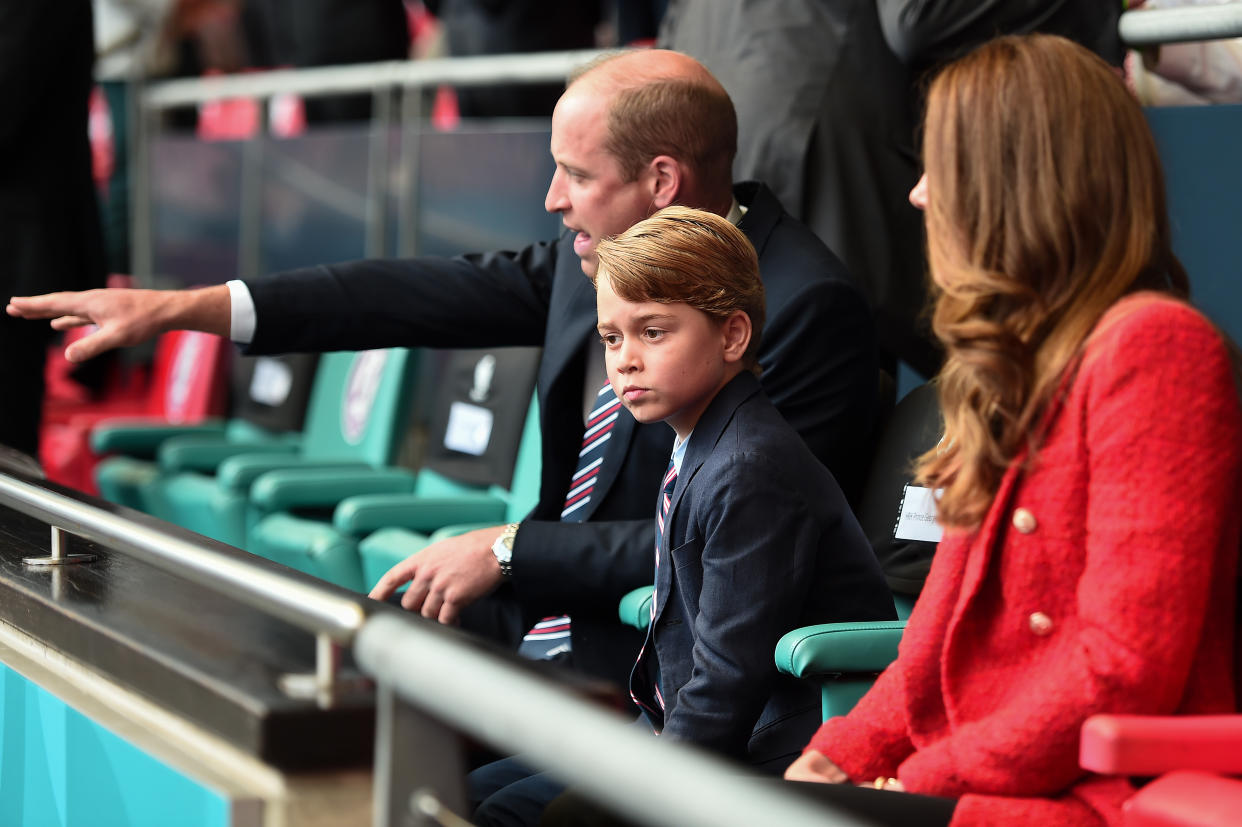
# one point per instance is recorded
(433, 685)
(397, 90)
(1151, 27)
(331, 618)
(595, 751)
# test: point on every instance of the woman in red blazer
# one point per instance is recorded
(1090, 469)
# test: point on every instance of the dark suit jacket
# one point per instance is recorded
(758, 540)
(818, 356)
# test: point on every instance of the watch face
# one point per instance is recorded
(503, 549)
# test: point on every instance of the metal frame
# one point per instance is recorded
(332, 619)
(594, 750)
(433, 686)
(396, 87)
(1151, 27)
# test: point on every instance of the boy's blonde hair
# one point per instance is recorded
(682, 255)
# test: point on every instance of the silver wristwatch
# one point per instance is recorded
(503, 549)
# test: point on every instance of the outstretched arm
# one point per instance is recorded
(127, 317)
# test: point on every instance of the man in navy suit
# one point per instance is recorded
(631, 135)
(753, 537)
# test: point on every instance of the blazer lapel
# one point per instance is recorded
(703, 441)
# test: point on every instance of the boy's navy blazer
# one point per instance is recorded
(758, 541)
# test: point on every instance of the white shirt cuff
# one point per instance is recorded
(241, 312)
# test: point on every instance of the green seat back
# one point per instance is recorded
(359, 405)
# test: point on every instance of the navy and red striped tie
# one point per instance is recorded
(551, 635)
(662, 507)
(599, 425)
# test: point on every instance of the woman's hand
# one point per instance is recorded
(815, 767)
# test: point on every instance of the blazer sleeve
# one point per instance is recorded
(1160, 532)
(583, 568)
(482, 300)
(759, 549)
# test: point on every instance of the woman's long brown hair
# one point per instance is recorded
(1046, 205)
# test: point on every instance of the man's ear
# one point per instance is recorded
(736, 330)
(665, 178)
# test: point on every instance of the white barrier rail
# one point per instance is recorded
(448, 685)
(1151, 27)
(535, 67)
(595, 751)
(331, 618)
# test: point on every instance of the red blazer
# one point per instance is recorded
(1101, 580)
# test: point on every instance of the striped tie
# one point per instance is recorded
(598, 431)
(666, 500)
(550, 637)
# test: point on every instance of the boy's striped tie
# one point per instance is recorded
(666, 500)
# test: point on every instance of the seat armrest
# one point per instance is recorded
(142, 437)
(318, 487)
(457, 530)
(1192, 799)
(839, 648)
(362, 515)
(1148, 745)
(205, 454)
(635, 607)
(238, 473)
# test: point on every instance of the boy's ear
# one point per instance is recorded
(665, 178)
(736, 330)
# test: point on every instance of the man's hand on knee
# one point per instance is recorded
(445, 577)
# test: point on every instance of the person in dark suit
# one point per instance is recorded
(830, 93)
(50, 236)
(753, 537)
(630, 136)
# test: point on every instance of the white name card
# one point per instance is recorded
(918, 516)
(469, 429)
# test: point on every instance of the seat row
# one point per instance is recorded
(337, 498)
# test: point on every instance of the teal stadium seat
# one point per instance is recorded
(268, 404)
(482, 464)
(355, 421)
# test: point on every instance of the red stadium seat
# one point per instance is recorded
(188, 384)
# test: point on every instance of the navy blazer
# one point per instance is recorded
(758, 540)
(818, 353)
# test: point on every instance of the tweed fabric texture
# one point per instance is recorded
(1101, 580)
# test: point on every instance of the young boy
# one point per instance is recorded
(753, 537)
